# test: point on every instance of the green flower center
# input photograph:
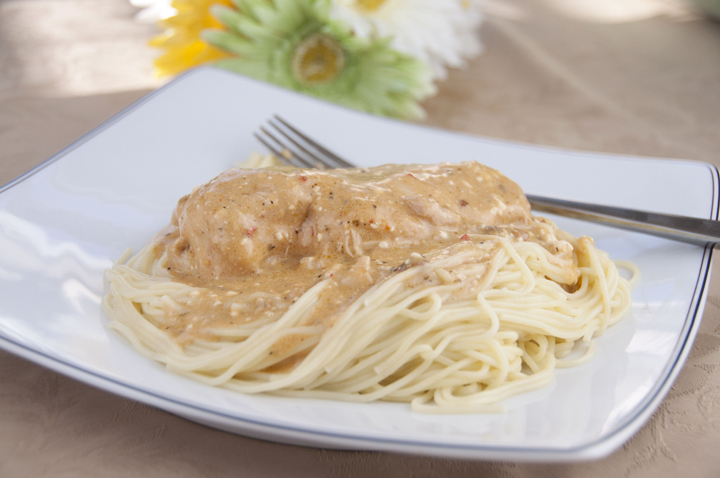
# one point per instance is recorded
(369, 5)
(318, 59)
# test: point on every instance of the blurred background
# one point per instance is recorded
(622, 76)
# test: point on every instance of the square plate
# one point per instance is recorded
(63, 223)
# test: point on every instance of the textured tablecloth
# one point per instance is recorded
(622, 76)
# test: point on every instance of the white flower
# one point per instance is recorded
(153, 10)
(442, 33)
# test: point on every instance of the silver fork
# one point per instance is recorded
(295, 148)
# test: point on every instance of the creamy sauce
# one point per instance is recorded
(254, 241)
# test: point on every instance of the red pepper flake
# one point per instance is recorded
(411, 175)
(250, 231)
(463, 202)
(371, 221)
(465, 237)
(303, 178)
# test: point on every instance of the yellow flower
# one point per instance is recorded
(181, 38)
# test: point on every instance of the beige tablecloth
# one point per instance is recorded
(623, 76)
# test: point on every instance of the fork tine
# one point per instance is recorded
(319, 162)
(292, 160)
(339, 162)
(284, 153)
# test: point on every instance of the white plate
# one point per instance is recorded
(63, 223)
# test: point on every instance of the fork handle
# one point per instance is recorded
(679, 228)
